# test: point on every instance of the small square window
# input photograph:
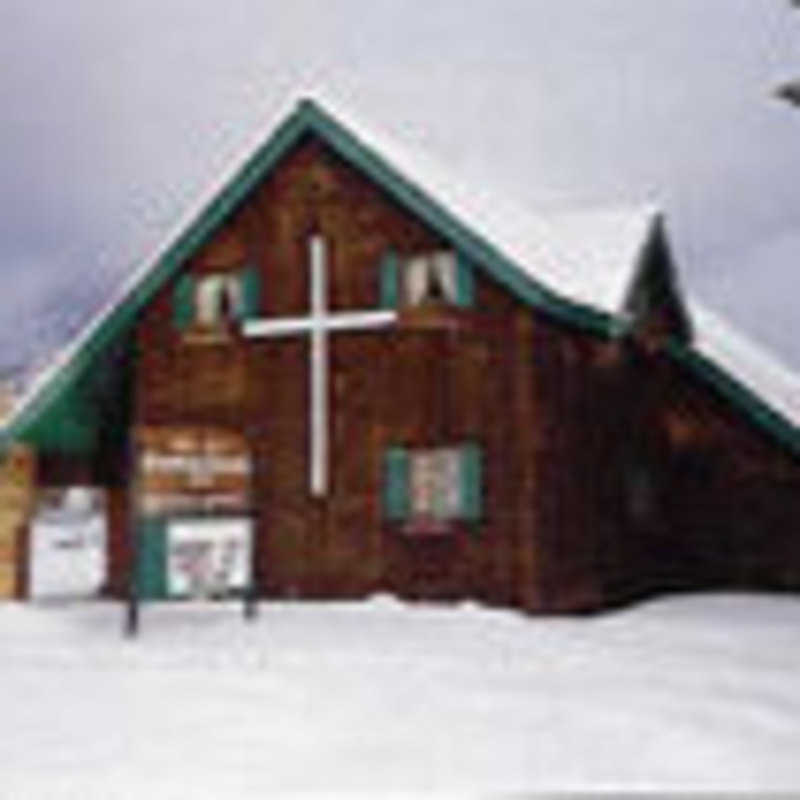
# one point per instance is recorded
(209, 302)
(438, 485)
(429, 279)
(217, 299)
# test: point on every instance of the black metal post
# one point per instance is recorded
(251, 592)
(132, 615)
(132, 610)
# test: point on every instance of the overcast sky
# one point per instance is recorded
(115, 115)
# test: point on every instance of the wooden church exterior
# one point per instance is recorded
(398, 405)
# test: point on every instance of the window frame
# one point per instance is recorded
(398, 489)
(228, 292)
(239, 292)
(437, 271)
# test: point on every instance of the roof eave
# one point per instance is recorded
(765, 417)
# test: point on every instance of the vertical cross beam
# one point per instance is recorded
(318, 379)
(319, 324)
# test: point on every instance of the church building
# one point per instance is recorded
(346, 373)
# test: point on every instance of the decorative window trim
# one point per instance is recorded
(440, 278)
(217, 297)
(429, 279)
(418, 494)
(206, 306)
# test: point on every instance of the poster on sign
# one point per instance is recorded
(208, 557)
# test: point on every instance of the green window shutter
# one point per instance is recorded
(471, 482)
(250, 298)
(183, 302)
(390, 279)
(151, 559)
(465, 282)
(396, 501)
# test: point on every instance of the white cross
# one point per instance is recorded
(319, 324)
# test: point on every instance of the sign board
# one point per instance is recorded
(208, 557)
(193, 470)
(193, 516)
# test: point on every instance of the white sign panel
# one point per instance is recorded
(208, 557)
(68, 544)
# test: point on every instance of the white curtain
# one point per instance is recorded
(444, 271)
(417, 280)
(218, 297)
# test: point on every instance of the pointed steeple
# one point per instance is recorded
(654, 302)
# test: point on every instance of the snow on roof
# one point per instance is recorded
(601, 250)
(587, 257)
(751, 364)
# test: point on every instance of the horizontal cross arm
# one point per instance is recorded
(287, 326)
(351, 320)
(346, 320)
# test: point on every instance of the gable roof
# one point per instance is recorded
(576, 267)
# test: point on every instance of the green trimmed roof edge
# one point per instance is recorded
(740, 396)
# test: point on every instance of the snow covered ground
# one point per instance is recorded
(692, 692)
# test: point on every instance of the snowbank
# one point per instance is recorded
(699, 692)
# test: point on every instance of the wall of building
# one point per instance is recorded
(609, 474)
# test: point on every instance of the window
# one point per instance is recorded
(429, 279)
(217, 299)
(212, 300)
(433, 485)
(439, 277)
